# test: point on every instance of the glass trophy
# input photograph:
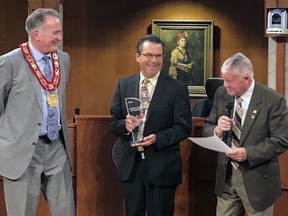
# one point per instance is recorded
(135, 108)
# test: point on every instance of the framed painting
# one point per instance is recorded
(188, 51)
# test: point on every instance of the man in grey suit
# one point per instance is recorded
(252, 184)
(34, 158)
(149, 184)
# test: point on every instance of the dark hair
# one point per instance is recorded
(37, 18)
(151, 38)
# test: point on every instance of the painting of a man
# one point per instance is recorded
(185, 62)
(181, 61)
(188, 51)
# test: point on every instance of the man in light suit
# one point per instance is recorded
(149, 184)
(31, 160)
(255, 185)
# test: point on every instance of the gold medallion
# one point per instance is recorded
(52, 99)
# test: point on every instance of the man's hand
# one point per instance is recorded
(224, 124)
(147, 141)
(132, 122)
(237, 154)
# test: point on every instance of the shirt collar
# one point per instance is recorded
(152, 80)
(36, 54)
(248, 94)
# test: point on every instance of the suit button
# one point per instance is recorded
(39, 124)
(33, 143)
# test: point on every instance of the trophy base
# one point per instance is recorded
(139, 148)
(142, 155)
(137, 141)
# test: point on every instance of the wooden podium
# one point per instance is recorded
(98, 192)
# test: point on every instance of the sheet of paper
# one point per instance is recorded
(212, 143)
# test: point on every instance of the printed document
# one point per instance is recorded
(212, 143)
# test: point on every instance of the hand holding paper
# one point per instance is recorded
(212, 143)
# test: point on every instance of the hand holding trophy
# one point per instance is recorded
(138, 112)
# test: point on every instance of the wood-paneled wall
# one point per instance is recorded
(101, 38)
(12, 24)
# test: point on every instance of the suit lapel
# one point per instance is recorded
(157, 94)
(63, 75)
(252, 113)
(130, 89)
(36, 85)
(135, 86)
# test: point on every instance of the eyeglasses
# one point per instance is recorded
(150, 55)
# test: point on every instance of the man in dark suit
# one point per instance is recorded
(34, 158)
(149, 184)
(252, 184)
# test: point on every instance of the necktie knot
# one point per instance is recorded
(145, 81)
(239, 100)
(47, 72)
(45, 58)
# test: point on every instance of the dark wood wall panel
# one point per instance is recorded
(12, 18)
(284, 170)
(101, 37)
(97, 188)
(2, 22)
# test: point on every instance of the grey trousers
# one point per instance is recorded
(48, 172)
(234, 201)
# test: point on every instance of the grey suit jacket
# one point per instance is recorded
(169, 117)
(264, 136)
(21, 111)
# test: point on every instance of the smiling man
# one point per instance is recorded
(151, 169)
(248, 177)
(34, 144)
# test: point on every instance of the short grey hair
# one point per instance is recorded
(37, 18)
(238, 63)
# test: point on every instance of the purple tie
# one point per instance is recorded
(52, 118)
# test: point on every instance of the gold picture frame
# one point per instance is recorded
(198, 48)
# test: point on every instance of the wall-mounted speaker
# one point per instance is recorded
(277, 22)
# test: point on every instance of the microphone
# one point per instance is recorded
(229, 107)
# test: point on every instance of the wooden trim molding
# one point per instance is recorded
(34, 4)
(280, 65)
